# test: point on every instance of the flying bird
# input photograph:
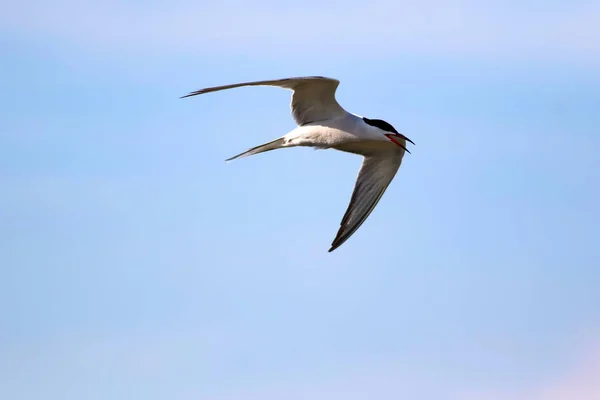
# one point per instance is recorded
(324, 124)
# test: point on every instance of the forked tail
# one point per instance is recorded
(275, 144)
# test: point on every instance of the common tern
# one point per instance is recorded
(324, 124)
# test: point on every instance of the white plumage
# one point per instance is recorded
(323, 123)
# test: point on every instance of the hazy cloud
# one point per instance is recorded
(75, 366)
(581, 381)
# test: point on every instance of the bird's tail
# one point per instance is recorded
(275, 144)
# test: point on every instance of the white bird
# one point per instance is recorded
(324, 124)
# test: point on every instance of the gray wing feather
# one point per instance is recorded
(313, 98)
(374, 177)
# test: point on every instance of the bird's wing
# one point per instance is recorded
(313, 98)
(376, 173)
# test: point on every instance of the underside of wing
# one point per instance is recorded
(374, 177)
(313, 98)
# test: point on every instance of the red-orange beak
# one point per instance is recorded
(394, 138)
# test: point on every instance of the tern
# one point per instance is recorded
(324, 124)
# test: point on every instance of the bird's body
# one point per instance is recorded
(343, 133)
(324, 124)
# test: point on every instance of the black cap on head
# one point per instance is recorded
(381, 124)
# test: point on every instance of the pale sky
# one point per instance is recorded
(136, 263)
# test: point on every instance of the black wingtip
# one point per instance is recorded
(333, 247)
(194, 93)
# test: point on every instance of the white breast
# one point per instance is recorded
(334, 133)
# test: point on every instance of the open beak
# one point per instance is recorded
(393, 137)
(405, 138)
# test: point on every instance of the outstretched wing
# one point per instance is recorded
(376, 173)
(313, 98)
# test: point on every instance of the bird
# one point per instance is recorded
(322, 123)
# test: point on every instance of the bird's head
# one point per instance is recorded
(390, 132)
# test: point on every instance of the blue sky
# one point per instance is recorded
(136, 263)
